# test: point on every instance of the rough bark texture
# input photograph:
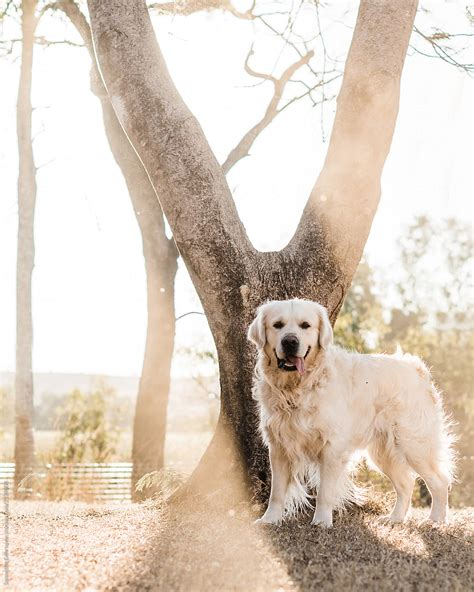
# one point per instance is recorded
(231, 277)
(160, 255)
(24, 440)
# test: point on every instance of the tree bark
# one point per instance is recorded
(160, 255)
(24, 439)
(231, 277)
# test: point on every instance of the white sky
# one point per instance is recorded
(89, 282)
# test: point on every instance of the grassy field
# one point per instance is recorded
(183, 448)
(67, 546)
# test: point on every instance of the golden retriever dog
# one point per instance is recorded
(321, 405)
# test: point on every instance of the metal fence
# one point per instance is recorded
(91, 482)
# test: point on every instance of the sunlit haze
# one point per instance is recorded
(89, 299)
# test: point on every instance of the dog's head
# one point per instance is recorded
(291, 333)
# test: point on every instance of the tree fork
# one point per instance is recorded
(231, 277)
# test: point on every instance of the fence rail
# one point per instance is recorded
(103, 482)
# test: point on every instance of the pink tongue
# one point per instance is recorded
(298, 362)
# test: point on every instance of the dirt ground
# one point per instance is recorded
(72, 546)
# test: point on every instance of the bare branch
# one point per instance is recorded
(186, 314)
(242, 149)
(8, 5)
(445, 54)
(46, 8)
(310, 90)
(48, 42)
(251, 72)
(188, 7)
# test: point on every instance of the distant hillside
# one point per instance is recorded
(58, 383)
(126, 386)
(191, 401)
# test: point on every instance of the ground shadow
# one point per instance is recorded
(363, 553)
(196, 549)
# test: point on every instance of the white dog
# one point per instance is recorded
(320, 405)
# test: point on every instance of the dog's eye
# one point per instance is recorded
(278, 325)
(305, 325)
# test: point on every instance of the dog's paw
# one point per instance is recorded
(430, 523)
(390, 520)
(265, 520)
(323, 523)
(273, 515)
(322, 517)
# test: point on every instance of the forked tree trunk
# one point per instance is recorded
(160, 256)
(24, 439)
(231, 277)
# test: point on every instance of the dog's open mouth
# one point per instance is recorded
(292, 363)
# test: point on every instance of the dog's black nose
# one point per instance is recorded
(290, 344)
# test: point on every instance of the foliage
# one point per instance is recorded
(90, 431)
(360, 324)
(3, 396)
(6, 416)
(47, 411)
(161, 483)
(88, 434)
(436, 283)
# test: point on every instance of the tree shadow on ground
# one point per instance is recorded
(205, 549)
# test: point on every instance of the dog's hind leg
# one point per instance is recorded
(393, 464)
(438, 483)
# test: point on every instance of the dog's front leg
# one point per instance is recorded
(332, 474)
(280, 479)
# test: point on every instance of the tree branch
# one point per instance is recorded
(48, 43)
(242, 149)
(441, 52)
(78, 19)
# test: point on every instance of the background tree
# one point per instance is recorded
(24, 439)
(231, 277)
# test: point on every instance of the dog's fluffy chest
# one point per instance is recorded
(292, 420)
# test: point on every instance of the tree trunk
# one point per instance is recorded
(24, 439)
(149, 428)
(161, 264)
(231, 277)
(160, 255)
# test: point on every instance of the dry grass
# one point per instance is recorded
(69, 546)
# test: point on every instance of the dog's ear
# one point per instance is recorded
(256, 332)
(325, 330)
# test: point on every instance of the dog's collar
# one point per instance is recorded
(288, 367)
